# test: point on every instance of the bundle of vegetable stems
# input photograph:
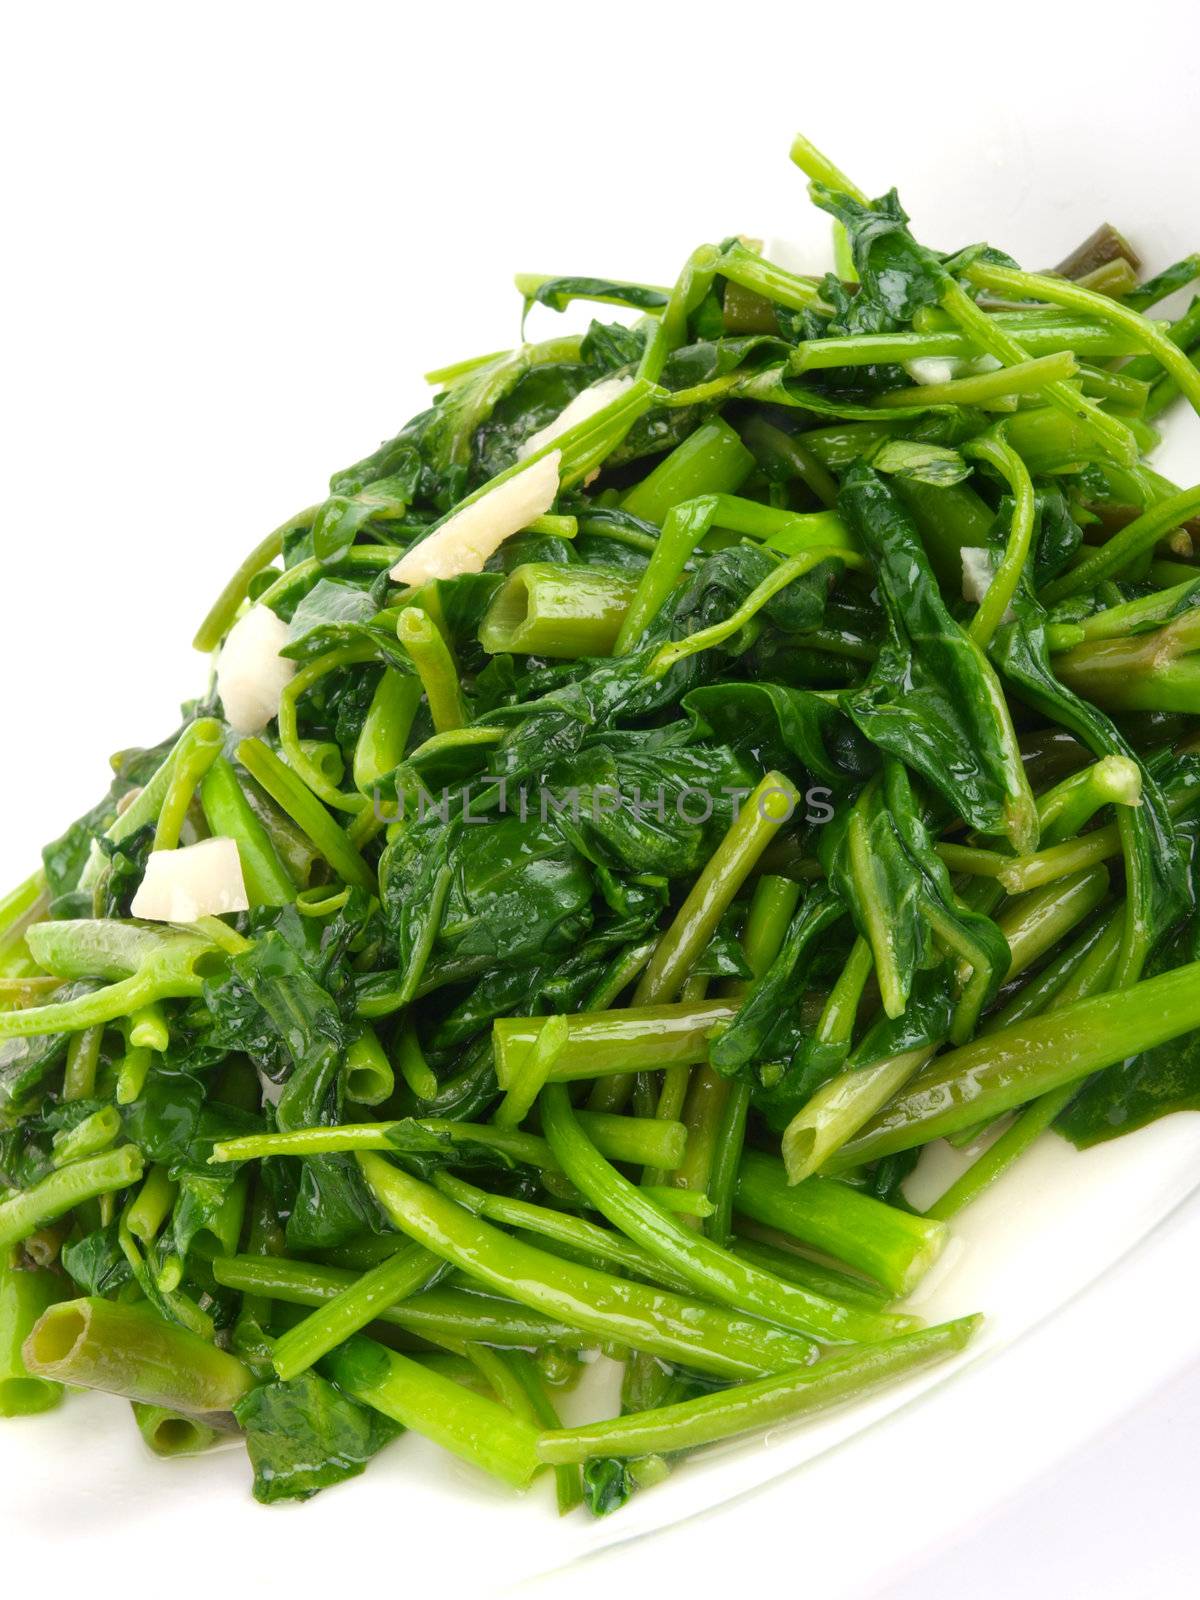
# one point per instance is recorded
(692, 767)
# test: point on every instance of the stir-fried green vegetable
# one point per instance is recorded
(691, 766)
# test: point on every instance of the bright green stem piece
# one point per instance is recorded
(889, 1245)
(683, 526)
(469, 1425)
(61, 1191)
(998, 1157)
(161, 965)
(451, 1317)
(1108, 312)
(639, 1140)
(770, 806)
(384, 736)
(367, 1073)
(1135, 539)
(421, 637)
(405, 1273)
(768, 1403)
(228, 603)
(607, 1249)
(750, 270)
(998, 453)
(24, 1296)
(21, 907)
(83, 1058)
(87, 1138)
(818, 168)
(1110, 432)
(198, 749)
(711, 1270)
(713, 460)
(533, 1073)
(132, 1074)
(131, 1351)
(230, 815)
(839, 1108)
(796, 1268)
(318, 764)
(1156, 670)
(1084, 338)
(647, 1319)
(1064, 810)
(170, 1433)
(412, 1066)
(148, 1029)
(545, 609)
(772, 907)
(1027, 377)
(1016, 1064)
(671, 329)
(152, 1206)
(307, 812)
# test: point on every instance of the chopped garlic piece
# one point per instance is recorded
(978, 574)
(251, 674)
(465, 540)
(585, 404)
(199, 880)
(934, 369)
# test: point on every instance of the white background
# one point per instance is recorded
(235, 236)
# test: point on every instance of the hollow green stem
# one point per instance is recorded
(770, 805)
(640, 1140)
(83, 1058)
(87, 1138)
(403, 1274)
(1134, 540)
(611, 1308)
(534, 1070)
(305, 761)
(1110, 313)
(469, 1425)
(25, 1294)
(998, 453)
(1086, 339)
(227, 604)
(712, 460)
(383, 738)
(61, 1191)
(367, 1073)
(229, 815)
(768, 1403)
(1027, 377)
(203, 745)
(545, 609)
(306, 811)
(170, 1433)
(413, 1067)
(711, 1270)
(430, 654)
(446, 1317)
(1018, 1063)
(591, 1242)
(131, 1351)
(889, 1245)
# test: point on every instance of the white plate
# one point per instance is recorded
(1081, 1263)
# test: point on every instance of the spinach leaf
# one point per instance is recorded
(932, 700)
(304, 1435)
(881, 860)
